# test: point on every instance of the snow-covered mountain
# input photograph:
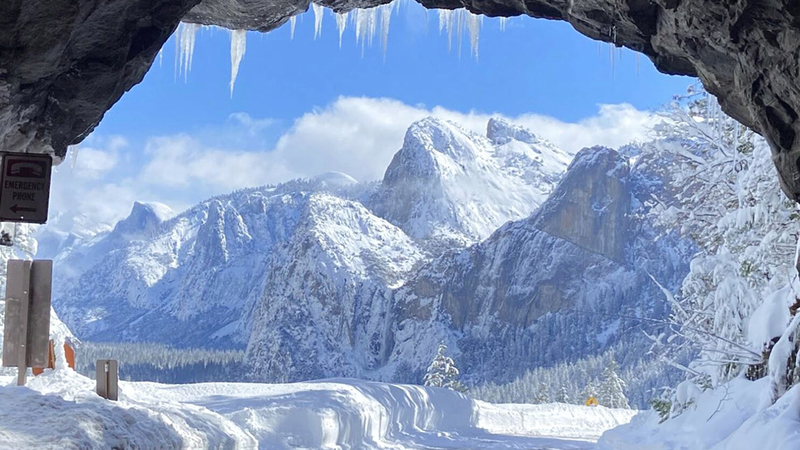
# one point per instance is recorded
(195, 279)
(327, 277)
(569, 281)
(451, 184)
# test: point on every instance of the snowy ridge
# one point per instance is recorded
(326, 414)
(218, 260)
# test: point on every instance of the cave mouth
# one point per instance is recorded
(63, 64)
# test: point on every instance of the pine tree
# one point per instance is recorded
(612, 389)
(443, 372)
(589, 391)
(542, 394)
(562, 396)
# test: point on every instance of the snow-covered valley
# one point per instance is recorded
(329, 278)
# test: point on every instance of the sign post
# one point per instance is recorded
(25, 187)
(107, 378)
(26, 336)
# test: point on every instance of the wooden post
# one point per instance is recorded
(27, 316)
(107, 378)
(24, 299)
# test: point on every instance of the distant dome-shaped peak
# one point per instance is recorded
(144, 217)
(334, 179)
(160, 210)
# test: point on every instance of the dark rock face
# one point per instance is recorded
(591, 205)
(63, 63)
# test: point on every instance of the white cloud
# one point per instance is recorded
(181, 161)
(96, 157)
(359, 136)
(354, 135)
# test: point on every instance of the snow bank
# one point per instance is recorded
(736, 416)
(59, 410)
(554, 419)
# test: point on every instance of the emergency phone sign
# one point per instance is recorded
(25, 187)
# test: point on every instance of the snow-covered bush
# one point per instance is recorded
(735, 306)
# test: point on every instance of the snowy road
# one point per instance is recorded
(60, 410)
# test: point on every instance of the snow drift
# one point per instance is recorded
(60, 410)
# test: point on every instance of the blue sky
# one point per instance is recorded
(305, 106)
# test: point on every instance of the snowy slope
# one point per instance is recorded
(737, 416)
(60, 410)
(449, 183)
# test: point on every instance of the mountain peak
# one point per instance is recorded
(440, 136)
(450, 183)
(144, 217)
(500, 132)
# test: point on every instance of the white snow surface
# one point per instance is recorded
(735, 416)
(59, 410)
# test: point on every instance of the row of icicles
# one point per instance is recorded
(364, 21)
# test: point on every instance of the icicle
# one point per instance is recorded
(365, 21)
(292, 26)
(187, 48)
(446, 22)
(459, 29)
(184, 45)
(318, 10)
(386, 16)
(503, 22)
(357, 23)
(341, 24)
(238, 43)
(474, 27)
(161, 57)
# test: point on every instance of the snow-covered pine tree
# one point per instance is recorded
(611, 392)
(542, 394)
(562, 396)
(726, 197)
(589, 391)
(442, 372)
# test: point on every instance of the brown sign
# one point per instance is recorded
(25, 187)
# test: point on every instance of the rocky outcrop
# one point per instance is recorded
(63, 63)
(590, 208)
(552, 287)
